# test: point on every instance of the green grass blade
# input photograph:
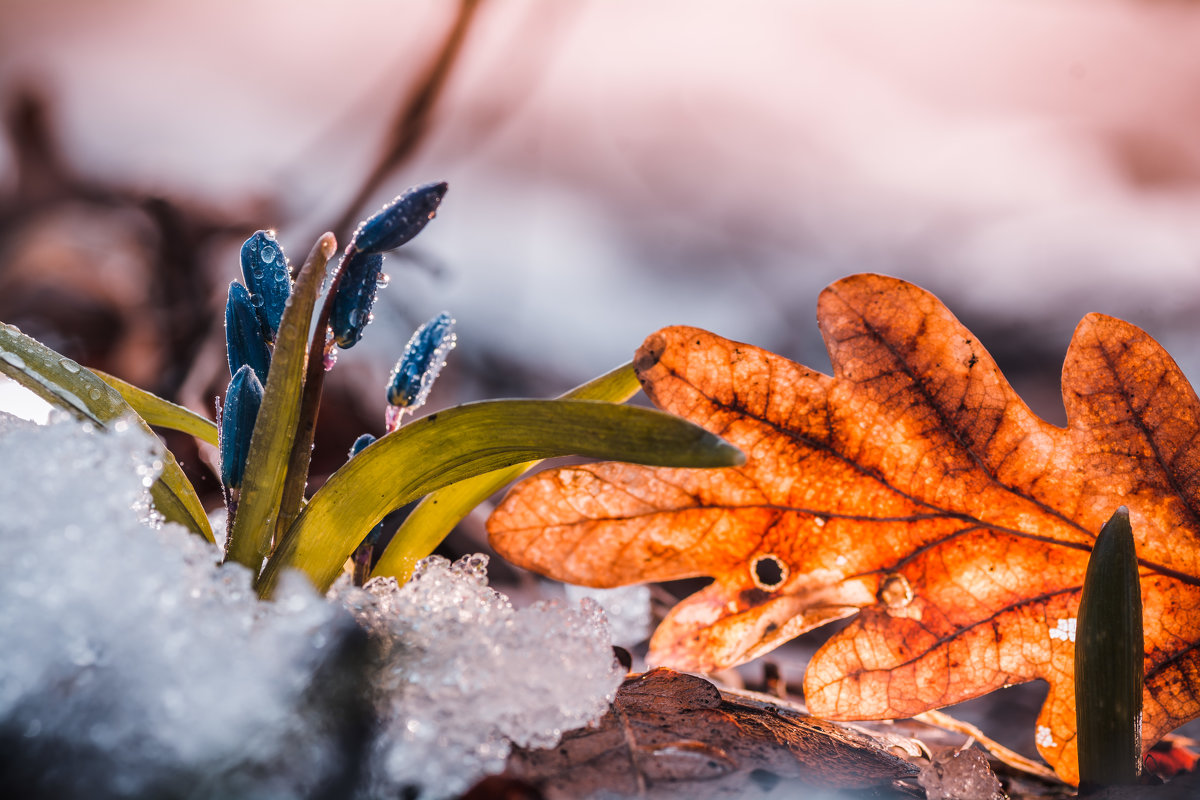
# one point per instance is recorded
(64, 384)
(469, 440)
(1109, 660)
(162, 413)
(271, 443)
(437, 514)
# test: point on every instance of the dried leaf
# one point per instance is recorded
(667, 731)
(913, 487)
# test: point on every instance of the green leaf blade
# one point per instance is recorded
(66, 385)
(437, 514)
(160, 413)
(271, 443)
(469, 440)
(1109, 660)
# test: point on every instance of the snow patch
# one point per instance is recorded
(135, 666)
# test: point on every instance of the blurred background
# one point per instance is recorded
(614, 167)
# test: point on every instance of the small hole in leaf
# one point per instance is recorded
(895, 591)
(768, 572)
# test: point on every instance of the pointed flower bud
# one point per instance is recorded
(242, 401)
(424, 356)
(245, 342)
(351, 310)
(265, 268)
(360, 444)
(400, 220)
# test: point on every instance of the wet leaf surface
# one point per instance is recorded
(670, 734)
(913, 488)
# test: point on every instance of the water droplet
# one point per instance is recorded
(383, 280)
(331, 355)
(256, 300)
(14, 359)
(69, 365)
(267, 254)
(94, 394)
(355, 318)
(370, 317)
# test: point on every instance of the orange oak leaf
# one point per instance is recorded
(913, 488)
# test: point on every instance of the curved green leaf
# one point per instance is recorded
(468, 440)
(271, 443)
(437, 514)
(61, 382)
(162, 413)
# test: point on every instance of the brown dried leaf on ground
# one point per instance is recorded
(913, 488)
(674, 735)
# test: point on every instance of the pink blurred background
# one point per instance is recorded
(614, 167)
(619, 166)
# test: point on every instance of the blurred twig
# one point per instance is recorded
(413, 117)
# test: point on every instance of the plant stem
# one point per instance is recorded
(310, 405)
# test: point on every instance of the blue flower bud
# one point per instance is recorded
(400, 220)
(242, 401)
(360, 444)
(265, 269)
(245, 342)
(355, 295)
(424, 356)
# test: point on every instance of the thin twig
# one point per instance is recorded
(412, 120)
(1012, 758)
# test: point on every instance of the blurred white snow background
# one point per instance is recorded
(620, 166)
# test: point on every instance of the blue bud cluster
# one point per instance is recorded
(392, 226)
(252, 317)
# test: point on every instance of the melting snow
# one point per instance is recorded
(133, 665)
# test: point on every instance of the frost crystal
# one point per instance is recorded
(627, 609)
(462, 674)
(1064, 630)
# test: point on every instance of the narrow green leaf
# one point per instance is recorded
(61, 382)
(1109, 660)
(162, 413)
(468, 440)
(271, 444)
(437, 514)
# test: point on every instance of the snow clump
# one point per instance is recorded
(132, 665)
